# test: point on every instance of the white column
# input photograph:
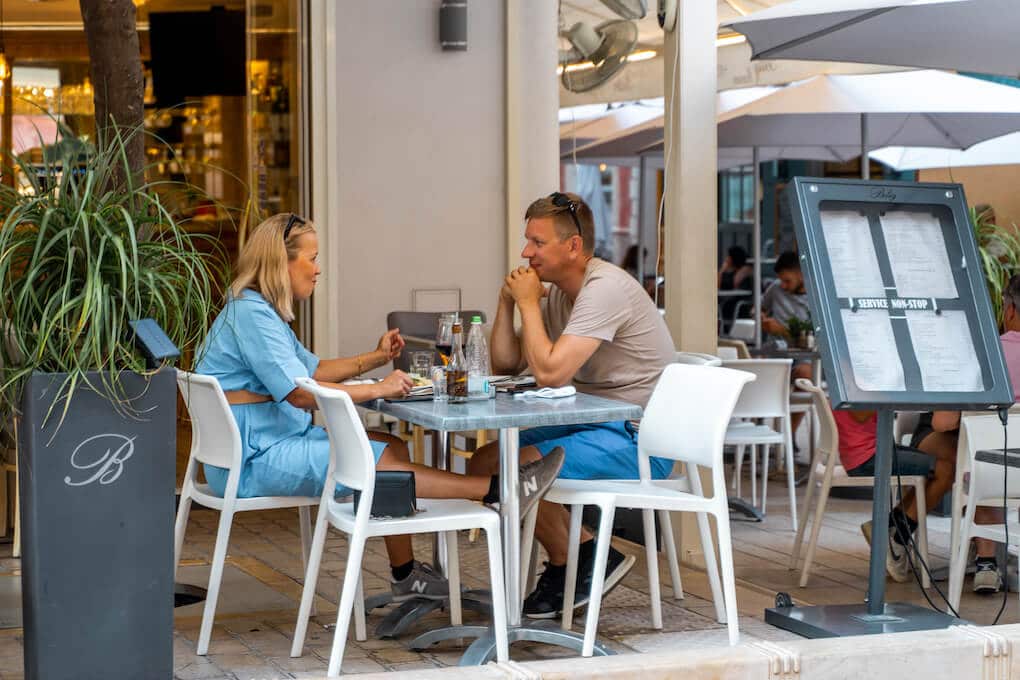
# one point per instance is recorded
(324, 212)
(532, 103)
(690, 189)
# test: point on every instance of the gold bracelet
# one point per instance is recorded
(360, 368)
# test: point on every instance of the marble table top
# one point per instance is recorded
(506, 411)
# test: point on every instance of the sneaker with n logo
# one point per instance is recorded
(536, 478)
(423, 581)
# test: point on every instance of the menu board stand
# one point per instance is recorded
(903, 322)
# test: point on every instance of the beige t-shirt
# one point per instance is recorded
(636, 345)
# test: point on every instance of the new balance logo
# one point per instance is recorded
(419, 587)
(529, 486)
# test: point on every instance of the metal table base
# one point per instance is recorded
(483, 649)
(398, 621)
(744, 508)
(507, 415)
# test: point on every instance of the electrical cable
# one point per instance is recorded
(659, 233)
(911, 550)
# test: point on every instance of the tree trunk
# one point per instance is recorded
(117, 78)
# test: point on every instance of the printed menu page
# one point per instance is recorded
(917, 254)
(852, 254)
(945, 351)
(873, 356)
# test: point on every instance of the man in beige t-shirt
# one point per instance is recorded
(595, 328)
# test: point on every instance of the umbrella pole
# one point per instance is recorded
(865, 163)
(756, 247)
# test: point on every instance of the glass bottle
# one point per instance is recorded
(456, 371)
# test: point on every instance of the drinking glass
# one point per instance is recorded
(444, 335)
(421, 364)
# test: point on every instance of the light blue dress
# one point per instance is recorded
(249, 347)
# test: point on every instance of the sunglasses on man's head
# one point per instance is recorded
(293, 220)
(561, 200)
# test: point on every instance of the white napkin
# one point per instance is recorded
(548, 392)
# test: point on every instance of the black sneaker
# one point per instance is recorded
(617, 566)
(546, 602)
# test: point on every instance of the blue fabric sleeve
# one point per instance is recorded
(268, 347)
(310, 361)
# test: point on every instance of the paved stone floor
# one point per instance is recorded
(262, 586)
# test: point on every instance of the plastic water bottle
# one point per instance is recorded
(478, 361)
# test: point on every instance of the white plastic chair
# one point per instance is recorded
(767, 398)
(827, 472)
(979, 432)
(685, 420)
(215, 440)
(353, 465)
(727, 352)
(742, 329)
(697, 359)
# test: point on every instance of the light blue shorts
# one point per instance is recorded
(292, 467)
(596, 451)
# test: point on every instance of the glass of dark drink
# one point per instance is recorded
(444, 336)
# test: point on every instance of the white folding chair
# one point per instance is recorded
(742, 329)
(215, 440)
(767, 398)
(353, 465)
(979, 432)
(685, 420)
(827, 472)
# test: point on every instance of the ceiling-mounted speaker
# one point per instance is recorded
(667, 14)
(453, 25)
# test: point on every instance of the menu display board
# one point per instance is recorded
(898, 295)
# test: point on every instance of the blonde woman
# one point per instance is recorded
(255, 355)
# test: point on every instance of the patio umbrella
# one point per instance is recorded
(907, 108)
(910, 108)
(1003, 150)
(575, 134)
(969, 35)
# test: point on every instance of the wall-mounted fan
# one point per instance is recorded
(602, 51)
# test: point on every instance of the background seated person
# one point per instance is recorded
(786, 299)
(734, 274)
(255, 355)
(857, 438)
(597, 329)
(939, 433)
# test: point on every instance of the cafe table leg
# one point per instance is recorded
(483, 649)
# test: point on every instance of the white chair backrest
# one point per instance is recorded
(727, 353)
(351, 457)
(828, 433)
(769, 395)
(742, 329)
(697, 359)
(688, 413)
(979, 432)
(215, 438)
(904, 426)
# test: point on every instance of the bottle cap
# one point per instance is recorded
(476, 319)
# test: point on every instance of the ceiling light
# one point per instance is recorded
(641, 55)
(731, 39)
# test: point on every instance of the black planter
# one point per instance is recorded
(97, 499)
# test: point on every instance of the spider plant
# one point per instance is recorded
(83, 251)
(999, 249)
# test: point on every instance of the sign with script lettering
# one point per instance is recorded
(97, 495)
